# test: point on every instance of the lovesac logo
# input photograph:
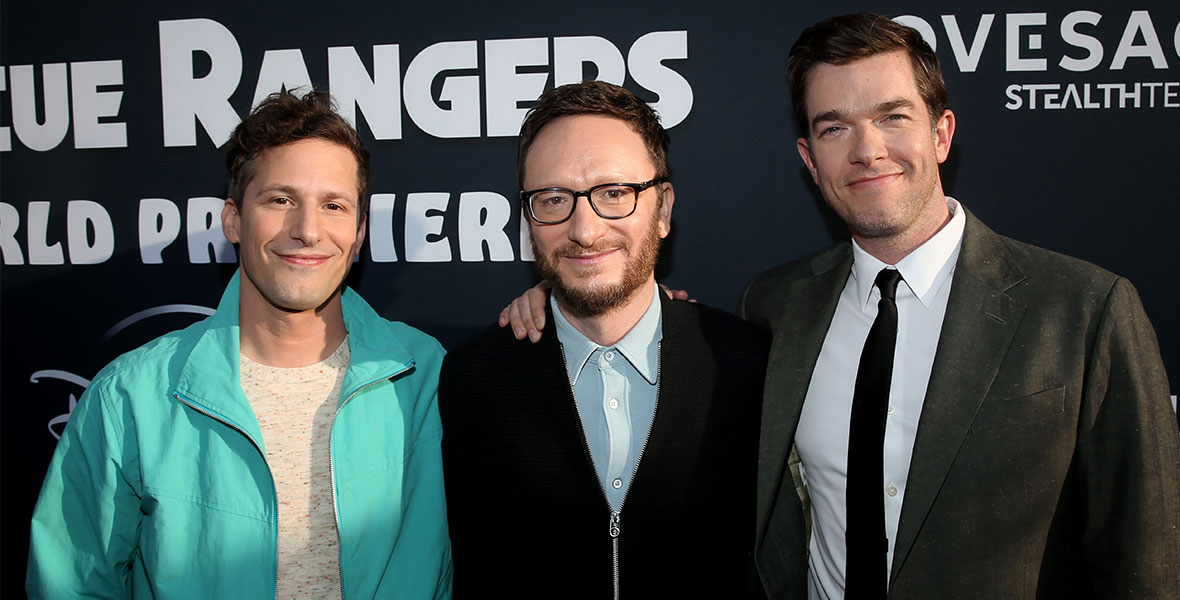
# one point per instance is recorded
(1080, 41)
(57, 424)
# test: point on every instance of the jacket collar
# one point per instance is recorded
(376, 352)
(211, 378)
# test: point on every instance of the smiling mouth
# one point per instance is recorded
(304, 260)
(588, 259)
(872, 181)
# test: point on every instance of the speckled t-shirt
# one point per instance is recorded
(295, 407)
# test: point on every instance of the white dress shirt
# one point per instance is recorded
(822, 434)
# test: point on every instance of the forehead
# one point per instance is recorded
(579, 148)
(311, 163)
(861, 84)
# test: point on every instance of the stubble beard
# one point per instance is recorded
(896, 219)
(597, 299)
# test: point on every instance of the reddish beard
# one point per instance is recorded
(600, 298)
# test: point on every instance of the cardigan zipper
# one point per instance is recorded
(617, 515)
(332, 468)
(265, 462)
(614, 540)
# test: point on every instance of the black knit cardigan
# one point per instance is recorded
(528, 517)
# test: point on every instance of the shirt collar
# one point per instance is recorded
(924, 270)
(640, 346)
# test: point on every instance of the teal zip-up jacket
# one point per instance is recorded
(159, 486)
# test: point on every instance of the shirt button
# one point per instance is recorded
(891, 490)
(890, 411)
(610, 355)
(618, 483)
(614, 403)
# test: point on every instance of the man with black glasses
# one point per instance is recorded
(617, 454)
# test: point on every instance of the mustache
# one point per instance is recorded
(600, 246)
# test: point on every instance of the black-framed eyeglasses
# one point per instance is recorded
(549, 206)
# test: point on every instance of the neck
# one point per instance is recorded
(607, 328)
(278, 338)
(891, 249)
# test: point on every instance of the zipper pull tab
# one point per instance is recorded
(614, 523)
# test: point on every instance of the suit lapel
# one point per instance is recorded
(980, 322)
(802, 311)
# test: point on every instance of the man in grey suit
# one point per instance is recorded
(1021, 443)
(1028, 446)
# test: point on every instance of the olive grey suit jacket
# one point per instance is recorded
(1047, 459)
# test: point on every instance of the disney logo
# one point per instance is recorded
(57, 424)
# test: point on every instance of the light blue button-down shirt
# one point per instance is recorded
(615, 393)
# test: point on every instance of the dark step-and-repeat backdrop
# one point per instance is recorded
(111, 182)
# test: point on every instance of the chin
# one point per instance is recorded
(871, 222)
(592, 299)
(303, 302)
(873, 229)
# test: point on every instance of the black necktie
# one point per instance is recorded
(866, 573)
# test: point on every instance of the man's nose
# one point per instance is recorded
(868, 145)
(585, 226)
(304, 224)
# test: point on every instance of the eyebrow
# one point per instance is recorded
(835, 115)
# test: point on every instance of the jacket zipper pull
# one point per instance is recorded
(614, 542)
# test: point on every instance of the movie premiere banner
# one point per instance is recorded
(111, 182)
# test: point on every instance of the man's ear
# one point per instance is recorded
(805, 153)
(944, 131)
(231, 221)
(667, 199)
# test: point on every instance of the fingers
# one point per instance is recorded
(676, 294)
(517, 321)
(536, 300)
(526, 314)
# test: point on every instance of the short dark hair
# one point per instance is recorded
(595, 98)
(847, 38)
(282, 118)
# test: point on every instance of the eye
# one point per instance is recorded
(829, 131)
(281, 200)
(333, 206)
(550, 199)
(613, 193)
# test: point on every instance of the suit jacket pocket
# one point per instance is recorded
(1011, 412)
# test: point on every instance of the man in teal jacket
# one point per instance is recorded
(288, 445)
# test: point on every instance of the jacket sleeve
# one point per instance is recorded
(1129, 458)
(84, 526)
(425, 517)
